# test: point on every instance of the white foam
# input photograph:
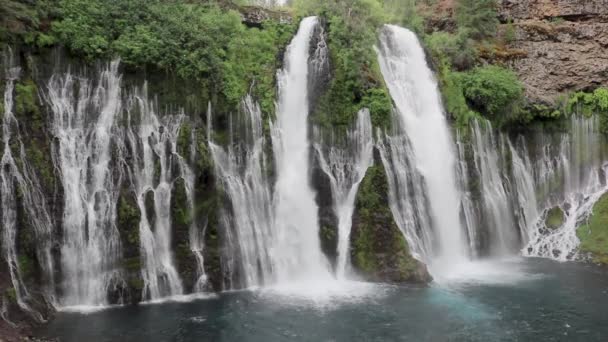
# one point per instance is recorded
(508, 272)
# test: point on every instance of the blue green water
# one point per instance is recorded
(521, 300)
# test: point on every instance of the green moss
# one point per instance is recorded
(594, 234)
(183, 140)
(26, 103)
(26, 265)
(378, 248)
(11, 294)
(128, 219)
(555, 218)
(132, 264)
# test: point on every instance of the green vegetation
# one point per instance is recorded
(555, 218)
(199, 41)
(379, 250)
(356, 79)
(478, 17)
(591, 103)
(594, 234)
(496, 92)
(128, 217)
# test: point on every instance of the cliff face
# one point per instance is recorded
(565, 43)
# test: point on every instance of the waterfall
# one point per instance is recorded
(346, 166)
(297, 244)
(274, 231)
(83, 123)
(154, 143)
(570, 175)
(426, 149)
(526, 207)
(241, 169)
(490, 168)
(196, 235)
(24, 181)
(106, 141)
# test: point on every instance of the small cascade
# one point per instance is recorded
(196, 234)
(153, 142)
(490, 169)
(526, 206)
(424, 147)
(24, 180)
(470, 211)
(570, 175)
(241, 169)
(83, 124)
(297, 245)
(346, 166)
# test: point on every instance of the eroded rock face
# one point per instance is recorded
(545, 9)
(565, 43)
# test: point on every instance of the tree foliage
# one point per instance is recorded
(200, 41)
(477, 17)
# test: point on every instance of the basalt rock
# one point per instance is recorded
(565, 44)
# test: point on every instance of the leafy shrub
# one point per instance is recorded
(495, 92)
(589, 104)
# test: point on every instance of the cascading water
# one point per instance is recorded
(427, 150)
(196, 234)
(490, 168)
(526, 207)
(571, 177)
(242, 171)
(346, 166)
(274, 231)
(83, 127)
(103, 145)
(515, 194)
(297, 245)
(154, 144)
(12, 179)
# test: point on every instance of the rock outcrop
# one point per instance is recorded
(565, 43)
(379, 252)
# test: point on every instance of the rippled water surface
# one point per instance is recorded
(515, 300)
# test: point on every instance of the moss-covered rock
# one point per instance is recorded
(128, 218)
(182, 217)
(555, 218)
(379, 251)
(594, 234)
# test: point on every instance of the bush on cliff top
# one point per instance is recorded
(591, 103)
(495, 92)
(195, 40)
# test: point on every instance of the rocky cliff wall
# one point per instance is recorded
(565, 44)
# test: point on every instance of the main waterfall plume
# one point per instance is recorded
(423, 149)
(298, 252)
(275, 230)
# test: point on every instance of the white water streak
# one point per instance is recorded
(346, 166)
(154, 143)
